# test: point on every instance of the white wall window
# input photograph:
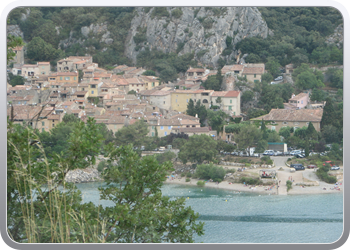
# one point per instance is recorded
(161, 127)
(169, 127)
(165, 133)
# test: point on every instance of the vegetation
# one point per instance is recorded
(200, 183)
(39, 212)
(322, 173)
(210, 171)
(289, 185)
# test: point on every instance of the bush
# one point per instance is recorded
(250, 181)
(188, 179)
(177, 13)
(189, 175)
(232, 170)
(102, 165)
(200, 183)
(322, 173)
(289, 185)
(183, 174)
(210, 171)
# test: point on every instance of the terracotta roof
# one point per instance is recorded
(253, 70)
(53, 117)
(299, 96)
(121, 67)
(44, 63)
(194, 130)
(169, 122)
(161, 93)
(29, 65)
(64, 74)
(184, 116)
(299, 115)
(219, 93)
(195, 70)
(235, 67)
(80, 93)
(232, 94)
(189, 122)
(134, 81)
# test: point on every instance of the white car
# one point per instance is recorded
(278, 153)
(279, 78)
(273, 83)
(295, 152)
(335, 167)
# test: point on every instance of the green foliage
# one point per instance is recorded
(166, 156)
(15, 80)
(198, 148)
(253, 113)
(210, 171)
(39, 50)
(159, 12)
(248, 136)
(216, 119)
(188, 179)
(289, 185)
(247, 96)
(102, 165)
(149, 73)
(318, 95)
(132, 92)
(176, 13)
(335, 77)
(285, 132)
(12, 42)
(322, 173)
(39, 213)
(134, 133)
(200, 183)
(250, 181)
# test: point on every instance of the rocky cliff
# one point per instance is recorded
(201, 30)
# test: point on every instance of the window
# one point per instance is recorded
(42, 129)
(152, 84)
(273, 128)
(115, 126)
(152, 127)
(296, 123)
(67, 78)
(176, 100)
(302, 101)
(161, 127)
(229, 107)
(75, 78)
(61, 78)
(92, 92)
(53, 125)
(165, 133)
(169, 127)
(186, 100)
(285, 123)
(152, 133)
(231, 101)
(42, 123)
(94, 86)
(254, 75)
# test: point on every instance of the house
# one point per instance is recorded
(195, 131)
(150, 82)
(44, 68)
(64, 77)
(158, 98)
(278, 118)
(19, 56)
(298, 101)
(289, 68)
(163, 126)
(194, 75)
(94, 89)
(229, 101)
(135, 84)
(236, 69)
(253, 72)
(73, 63)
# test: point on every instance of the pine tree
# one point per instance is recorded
(329, 115)
(190, 108)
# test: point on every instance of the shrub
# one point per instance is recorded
(189, 175)
(232, 170)
(250, 181)
(289, 185)
(200, 183)
(188, 179)
(183, 174)
(177, 13)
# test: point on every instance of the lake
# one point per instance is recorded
(232, 217)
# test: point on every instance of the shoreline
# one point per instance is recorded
(238, 187)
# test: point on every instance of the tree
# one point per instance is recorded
(38, 212)
(201, 110)
(285, 132)
(318, 95)
(197, 149)
(15, 80)
(248, 136)
(134, 133)
(149, 73)
(247, 96)
(210, 171)
(329, 116)
(308, 80)
(39, 50)
(272, 66)
(190, 108)
(216, 119)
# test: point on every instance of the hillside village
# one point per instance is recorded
(124, 95)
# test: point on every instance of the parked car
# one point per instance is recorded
(297, 166)
(278, 153)
(295, 152)
(273, 83)
(335, 167)
(279, 78)
(300, 156)
(311, 166)
(269, 152)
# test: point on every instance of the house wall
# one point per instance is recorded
(179, 101)
(66, 79)
(137, 87)
(162, 130)
(44, 69)
(163, 102)
(252, 78)
(295, 125)
(114, 127)
(233, 102)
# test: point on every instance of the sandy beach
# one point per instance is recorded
(304, 182)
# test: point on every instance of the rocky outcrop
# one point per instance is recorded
(337, 37)
(98, 29)
(83, 175)
(14, 30)
(201, 30)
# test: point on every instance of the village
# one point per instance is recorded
(124, 95)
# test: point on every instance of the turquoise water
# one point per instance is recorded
(254, 218)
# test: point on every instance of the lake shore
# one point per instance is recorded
(322, 188)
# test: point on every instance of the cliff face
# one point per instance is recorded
(199, 29)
